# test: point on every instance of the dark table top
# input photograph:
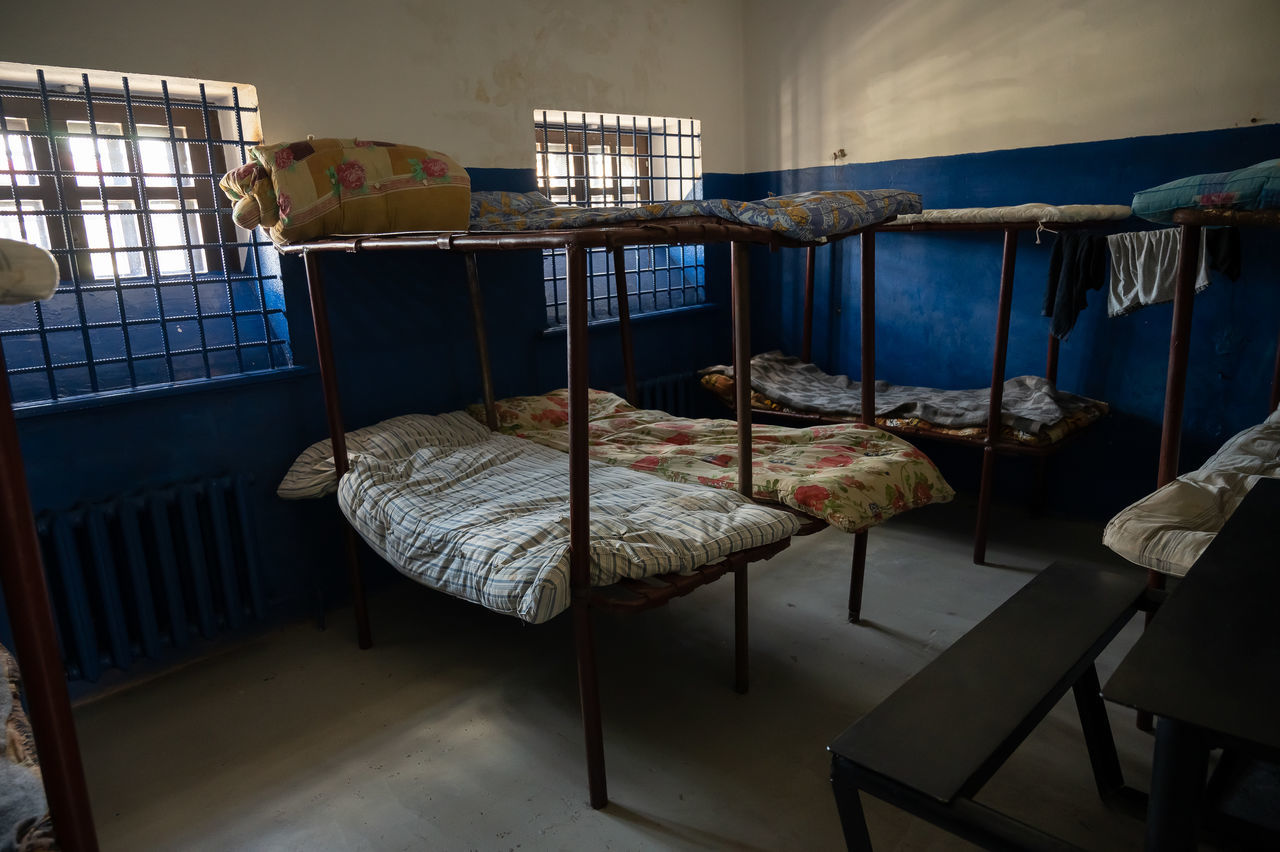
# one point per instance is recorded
(1211, 655)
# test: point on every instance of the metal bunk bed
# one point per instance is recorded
(992, 441)
(576, 242)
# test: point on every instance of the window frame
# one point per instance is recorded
(216, 299)
(658, 278)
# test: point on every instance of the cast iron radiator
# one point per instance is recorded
(146, 573)
(673, 393)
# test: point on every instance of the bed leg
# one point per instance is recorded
(857, 574)
(589, 697)
(984, 505)
(1040, 486)
(363, 636)
(741, 633)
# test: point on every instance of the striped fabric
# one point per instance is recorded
(485, 517)
(1170, 528)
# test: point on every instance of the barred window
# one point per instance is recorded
(605, 160)
(118, 178)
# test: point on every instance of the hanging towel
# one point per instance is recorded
(1077, 265)
(1144, 269)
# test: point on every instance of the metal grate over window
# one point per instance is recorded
(605, 160)
(118, 178)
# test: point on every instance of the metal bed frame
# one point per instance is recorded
(688, 230)
(36, 645)
(990, 441)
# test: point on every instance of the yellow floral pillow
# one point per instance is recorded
(321, 187)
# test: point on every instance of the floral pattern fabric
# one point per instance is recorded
(804, 217)
(849, 475)
(321, 187)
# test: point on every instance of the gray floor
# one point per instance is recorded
(460, 729)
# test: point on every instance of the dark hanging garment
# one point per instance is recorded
(1223, 246)
(1078, 264)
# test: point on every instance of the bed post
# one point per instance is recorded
(868, 285)
(1275, 380)
(482, 342)
(806, 339)
(739, 272)
(580, 526)
(36, 645)
(337, 436)
(858, 569)
(996, 403)
(1179, 345)
(624, 323)
(1051, 360)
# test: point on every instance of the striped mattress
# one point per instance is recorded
(485, 517)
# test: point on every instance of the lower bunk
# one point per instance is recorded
(489, 518)
(1036, 419)
(484, 517)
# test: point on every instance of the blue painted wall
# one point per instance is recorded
(936, 295)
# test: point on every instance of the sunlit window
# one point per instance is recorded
(606, 160)
(118, 177)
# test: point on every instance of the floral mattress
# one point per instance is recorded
(850, 475)
(805, 217)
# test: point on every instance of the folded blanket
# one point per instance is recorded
(1029, 403)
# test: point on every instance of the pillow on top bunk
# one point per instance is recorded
(321, 187)
(1254, 188)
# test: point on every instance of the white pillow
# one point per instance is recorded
(312, 473)
(27, 273)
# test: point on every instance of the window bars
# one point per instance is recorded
(605, 160)
(119, 180)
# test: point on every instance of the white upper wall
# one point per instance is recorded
(890, 79)
(463, 78)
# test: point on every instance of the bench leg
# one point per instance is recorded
(1178, 770)
(1097, 734)
(857, 573)
(852, 819)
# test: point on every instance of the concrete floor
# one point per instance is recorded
(460, 728)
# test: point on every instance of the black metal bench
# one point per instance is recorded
(931, 745)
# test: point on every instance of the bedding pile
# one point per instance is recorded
(849, 475)
(1030, 403)
(485, 517)
(1170, 528)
